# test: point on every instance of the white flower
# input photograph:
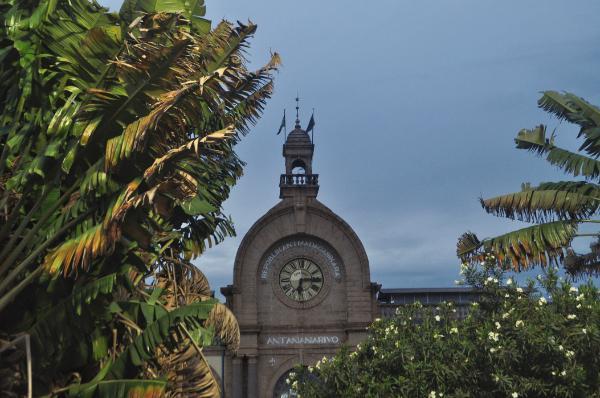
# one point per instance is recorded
(563, 373)
(492, 350)
(578, 306)
(509, 281)
(505, 315)
(579, 297)
(377, 320)
(553, 373)
(432, 394)
(515, 395)
(519, 290)
(295, 384)
(573, 289)
(437, 318)
(453, 330)
(571, 316)
(584, 330)
(438, 336)
(287, 381)
(493, 336)
(411, 357)
(560, 348)
(506, 295)
(497, 325)
(519, 323)
(542, 301)
(310, 368)
(569, 354)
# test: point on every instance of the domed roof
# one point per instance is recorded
(298, 137)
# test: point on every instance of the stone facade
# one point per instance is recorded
(281, 329)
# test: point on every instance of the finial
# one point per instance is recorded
(297, 109)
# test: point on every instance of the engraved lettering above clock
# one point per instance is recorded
(301, 279)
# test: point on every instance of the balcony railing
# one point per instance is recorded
(299, 180)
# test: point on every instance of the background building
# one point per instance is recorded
(302, 285)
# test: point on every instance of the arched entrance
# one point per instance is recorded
(282, 388)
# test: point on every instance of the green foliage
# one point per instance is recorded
(538, 340)
(117, 138)
(557, 208)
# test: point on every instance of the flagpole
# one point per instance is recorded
(284, 128)
(312, 132)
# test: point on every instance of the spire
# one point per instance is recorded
(297, 111)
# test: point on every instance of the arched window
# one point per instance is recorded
(298, 167)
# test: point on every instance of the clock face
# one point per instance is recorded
(301, 279)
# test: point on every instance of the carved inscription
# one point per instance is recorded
(330, 258)
(302, 340)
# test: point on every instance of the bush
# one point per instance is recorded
(539, 340)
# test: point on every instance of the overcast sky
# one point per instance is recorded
(416, 104)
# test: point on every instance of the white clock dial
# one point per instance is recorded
(301, 279)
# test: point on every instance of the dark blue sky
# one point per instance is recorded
(417, 104)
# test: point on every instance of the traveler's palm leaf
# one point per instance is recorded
(558, 208)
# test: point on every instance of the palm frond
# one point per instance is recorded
(143, 346)
(120, 389)
(78, 252)
(225, 325)
(536, 245)
(535, 140)
(467, 246)
(570, 107)
(546, 202)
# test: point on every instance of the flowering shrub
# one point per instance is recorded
(539, 340)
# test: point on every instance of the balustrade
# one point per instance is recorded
(299, 180)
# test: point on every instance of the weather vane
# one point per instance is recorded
(297, 109)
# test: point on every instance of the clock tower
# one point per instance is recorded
(301, 286)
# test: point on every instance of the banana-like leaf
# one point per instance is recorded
(66, 322)
(78, 252)
(195, 147)
(468, 246)
(225, 325)
(144, 345)
(193, 10)
(81, 86)
(570, 107)
(536, 245)
(535, 140)
(548, 201)
(85, 39)
(120, 389)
